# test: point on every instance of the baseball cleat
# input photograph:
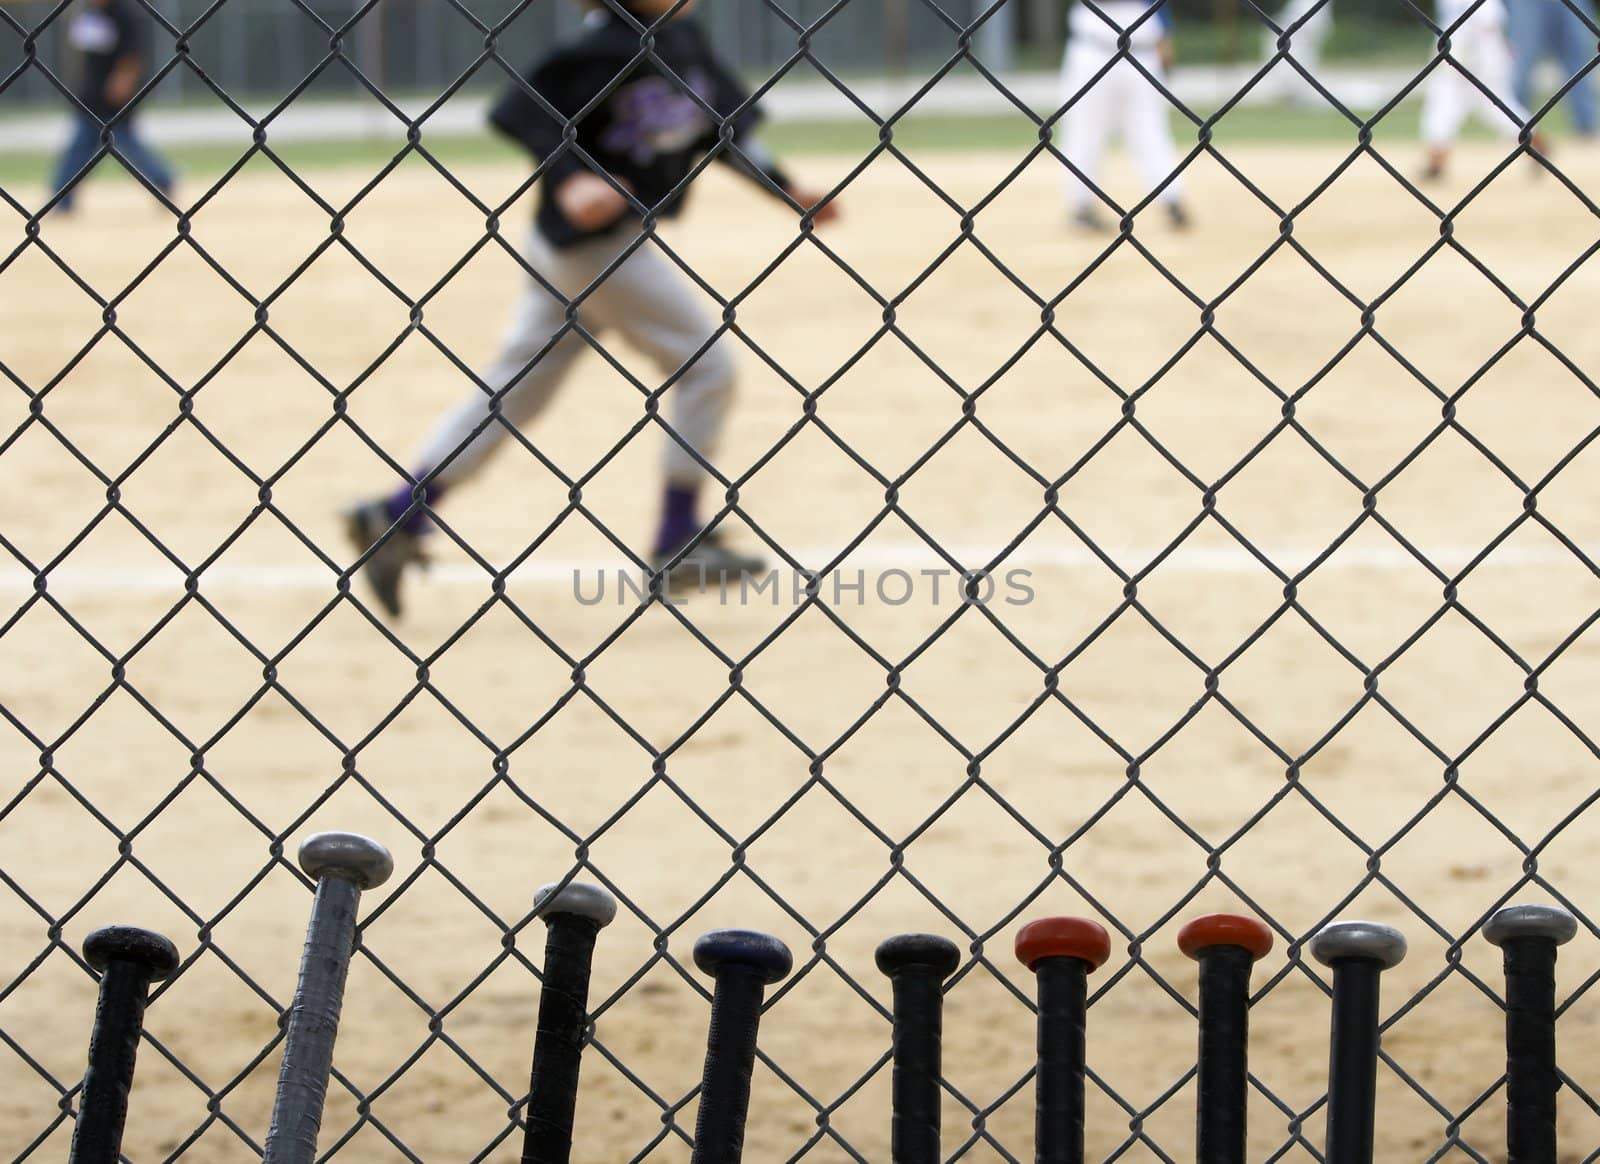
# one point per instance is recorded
(1541, 146)
(389, 549)
(1088, 218)
(709, 563)
(1178, 216)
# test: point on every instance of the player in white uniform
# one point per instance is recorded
(1305, 46)
(1121, 100)
(1480, 47)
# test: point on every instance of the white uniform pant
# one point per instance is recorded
(648, 301)
(1124, 103)
(1306, 41)
(1480, 47)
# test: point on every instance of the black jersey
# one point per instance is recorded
(104, 34)
(658, 117)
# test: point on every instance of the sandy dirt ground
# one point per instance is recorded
(1159, 732)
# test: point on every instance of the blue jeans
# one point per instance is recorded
(1550, 27)
(85, 143)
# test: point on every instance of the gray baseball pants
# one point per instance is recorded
(647, 301)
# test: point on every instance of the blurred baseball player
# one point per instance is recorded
(1558, 28)
(646, 134)
(1479, 46)
(1306, 41)
(110, 38)
(1121, 100)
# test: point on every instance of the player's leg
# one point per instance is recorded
(141, 157)
(650, 302)
(1525, 30)
(1492, 63)
(79, 152)
(1308, 15)
(1489, 60)
(1270, 35)
(1314, 35)
(535, 354)
(1444, 108)
(1147, 127)
(1307, 24)
(1084, 128)
(537, 349)
(1575, 49)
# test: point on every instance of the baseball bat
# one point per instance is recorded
(1062, 952)
(1226, 946)
(744, 964)
(342, 865)
(1358, 953)
(917, 965)
(1528, 936)
(574, 915)
(128, 960)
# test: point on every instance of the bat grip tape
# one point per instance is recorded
(1531, 1077)
(558, 1044)
(313, 1024)
(730, 1060)
(1223, 1087)
(918, 1031)
(1058, 1112)
(1353, 1063)
(113, 1045)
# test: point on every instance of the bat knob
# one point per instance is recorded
(723, 950)
(362, 859)
(929, 951)
(149, 951)
(1359, 941)
(1225, 929)
(1547, 923)
(577, 898)
(1063, 937)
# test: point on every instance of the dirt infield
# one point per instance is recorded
(909, 786)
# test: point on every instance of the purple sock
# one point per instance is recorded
(399, 506)
(680, 518)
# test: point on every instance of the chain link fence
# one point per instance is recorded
(1133, 574)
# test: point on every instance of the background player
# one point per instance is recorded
(109, 37)
(1479, 46)
(1555, 28)
(1305, 45)
(646, 135)
(1122, 101)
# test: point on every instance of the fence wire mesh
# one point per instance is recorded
(1303, 497)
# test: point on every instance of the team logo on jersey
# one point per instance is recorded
(655, 115)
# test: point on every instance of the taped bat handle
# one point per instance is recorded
(1358, 953)
(129, 960)
(1062, 952)
(342, 865)
(574, 915)
(1528, 936)
(744, 963)
(917, 966)
(1227, 946)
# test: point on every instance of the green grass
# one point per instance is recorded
(1365, 43)
(915, 135)
(1259, 123)
(1359, 41)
